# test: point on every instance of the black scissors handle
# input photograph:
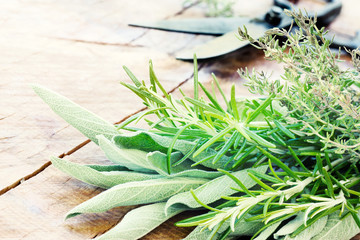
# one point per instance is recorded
(324, 16)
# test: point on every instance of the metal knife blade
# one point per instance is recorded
(208, 26)
(224, 44)
(230, 42)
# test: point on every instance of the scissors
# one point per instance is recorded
(226, 28)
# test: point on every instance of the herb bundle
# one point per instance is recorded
(283, 166)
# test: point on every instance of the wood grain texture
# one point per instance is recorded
(77, 48)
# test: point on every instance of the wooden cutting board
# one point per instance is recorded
(78, 48)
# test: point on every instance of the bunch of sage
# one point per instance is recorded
(282, 166)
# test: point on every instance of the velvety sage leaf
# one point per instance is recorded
(144, 141)
(107, 168)
(214, 189)
(199, 233)
(104, 179)
(159, 162)
(242, 229)
(83, 120)
(338, 229)
(133, 193)
(246, 228)
(131, 158)
(151, 142)
(291, 226)
(139, 222)
(264, 235)
(311, 230)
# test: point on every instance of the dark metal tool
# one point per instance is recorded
(226, 28)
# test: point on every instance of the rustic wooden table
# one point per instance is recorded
(77, 48)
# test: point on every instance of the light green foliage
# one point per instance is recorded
(148, 141)
(83, 120)
(268, 232)
(293, 152)
(311, 231)
(338, 229)
(133, 193)
(104, 179)
(139, 222)
(318, 93)
(213, 190)
(133, 159)
(290, 227)
(243, 229)
(158, 161)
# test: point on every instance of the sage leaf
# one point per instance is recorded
(103, 179)
(145, 141)
(158, 161)
(199, 233)
(107, 168)
(83, 120)
(291, 226)
(213, 190)
(268, 231)
(151, 142)
(139, 222)
(132, 193)
(243, 228)
(310, 231)
(336, 228)
(133, 159)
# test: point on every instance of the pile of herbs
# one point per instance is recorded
(283, 166)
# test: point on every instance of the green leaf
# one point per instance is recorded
(132, 77)
(133, 193)
(212, 140)
(131, 158)
(279, 163)
(199, 233)
(158, 162)
(150, 142)
(213, 190)
(260, 109)
(139, 222)
(145, 141)
(83, 120)
(243, 228)
(104, 179)
(284, 129)
(268, 231)
(336, 228)
(291, 226)
(311, 231)
(107, 168)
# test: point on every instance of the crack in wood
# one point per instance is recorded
(185, 8)
(174, 15)
(2, 118)
(47, 164)
(100, 43)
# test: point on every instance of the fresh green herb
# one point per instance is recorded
(287, 163)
